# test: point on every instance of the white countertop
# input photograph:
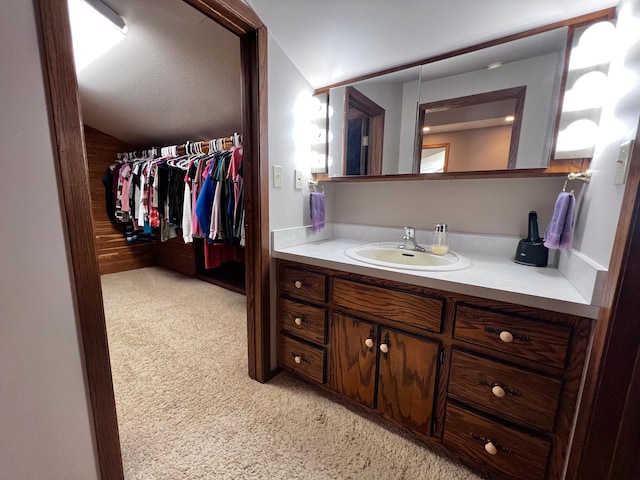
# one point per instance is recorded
(492, 277)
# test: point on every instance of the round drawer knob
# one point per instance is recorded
(298, 321)
(298, 284)
(368, 342)
(506, 337)
(384, 348)
(490, 448)
(297, 359)
(498, 391)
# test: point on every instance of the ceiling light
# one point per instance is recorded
(426, 129)
(509, 118)
(95, 30)
(493, 65)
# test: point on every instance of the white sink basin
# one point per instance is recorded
(387, 254)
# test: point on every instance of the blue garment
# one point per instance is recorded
(204, 203)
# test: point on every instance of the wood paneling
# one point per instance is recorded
(407, 379)
(176, 255)
(61, 89)
(114, 253)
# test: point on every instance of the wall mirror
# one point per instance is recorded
(532, 66)
(480, 132)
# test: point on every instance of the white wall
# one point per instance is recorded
(288, 143)
(599, 207)
(491, 206)
(45, 428)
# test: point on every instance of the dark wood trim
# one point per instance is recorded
(605, 409)
(516, 93)
(73, 177)
(235, 15)
(605, 14)
(68, 141)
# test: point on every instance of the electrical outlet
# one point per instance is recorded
(277, 176)
(298, 179)
(622, 164)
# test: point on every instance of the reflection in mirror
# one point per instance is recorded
(482, 131)
(364, 125)
(585, 90)
(395, 97)
(535, 62)
(434, 158)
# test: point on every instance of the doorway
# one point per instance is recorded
(71, 162)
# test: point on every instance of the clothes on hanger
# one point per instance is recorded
(196, 188)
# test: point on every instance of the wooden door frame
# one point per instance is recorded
(70, 158)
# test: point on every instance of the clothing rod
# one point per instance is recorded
(190, 147)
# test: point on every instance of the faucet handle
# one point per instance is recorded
(409, 232)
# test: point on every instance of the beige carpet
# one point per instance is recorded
(188, 410)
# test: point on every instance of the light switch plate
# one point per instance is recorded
(298, 179)
(622, 164)
(277, 176)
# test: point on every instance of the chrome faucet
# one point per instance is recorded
(410, 240)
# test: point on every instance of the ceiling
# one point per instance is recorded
(176, 76)
(336, 40)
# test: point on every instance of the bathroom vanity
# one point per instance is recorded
(494, 383)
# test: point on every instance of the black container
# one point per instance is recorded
(531, 250)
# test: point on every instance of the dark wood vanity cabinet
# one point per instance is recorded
(494, 383)
(385, 369)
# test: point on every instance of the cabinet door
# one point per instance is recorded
(353, 358)
(407, 379)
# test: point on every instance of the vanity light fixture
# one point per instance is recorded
(509, 118)
(95, 29)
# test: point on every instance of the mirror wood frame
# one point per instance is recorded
(555, 167)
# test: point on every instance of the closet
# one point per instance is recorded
(174, 81)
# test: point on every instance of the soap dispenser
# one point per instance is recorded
(531, 250)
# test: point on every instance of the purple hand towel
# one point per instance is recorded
(317, 210)
(559, 233)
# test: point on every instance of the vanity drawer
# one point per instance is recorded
(530, 339)
(302, 320)
(413, 309)
(505, 391)
(500, 448)
(304, 359)
(299, 281)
